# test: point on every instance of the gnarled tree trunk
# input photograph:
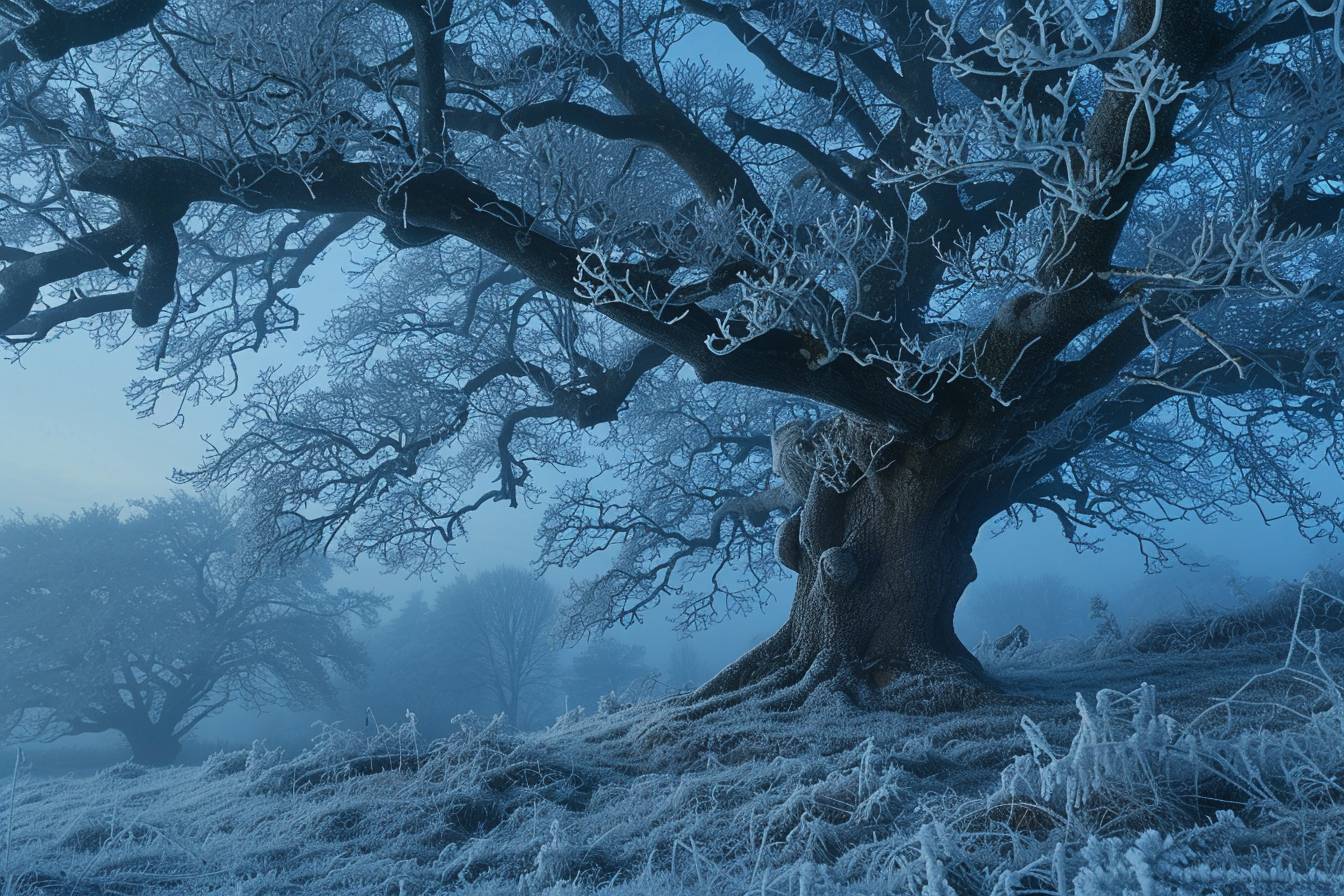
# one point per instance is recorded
(882, 562)
(152, 744)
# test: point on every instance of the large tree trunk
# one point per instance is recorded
(881, 566)
(152, 744)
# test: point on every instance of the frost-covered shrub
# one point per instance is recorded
(1123, 746)
(224, 763)
(1223, 789)
(1270, 621)
(252, 762)
(123, 770)
(1195, 861)
(338, 753)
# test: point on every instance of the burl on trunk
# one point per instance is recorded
(882, 557)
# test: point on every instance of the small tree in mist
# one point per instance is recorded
(604, 666)
(505, 620)
(416, 663)
(485, 644)
(148, 623)
(684, 666)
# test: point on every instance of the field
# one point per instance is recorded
(1204, 756)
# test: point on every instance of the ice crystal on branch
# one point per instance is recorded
(1068, 259)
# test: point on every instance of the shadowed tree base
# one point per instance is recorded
(881, 567)
(767, 680)
(151, 746)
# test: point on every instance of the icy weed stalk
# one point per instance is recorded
(9, 821)
(1227, 797)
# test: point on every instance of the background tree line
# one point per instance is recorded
(149, 620)
(491, 644)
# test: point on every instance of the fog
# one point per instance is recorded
(72, 442)
(562, 447)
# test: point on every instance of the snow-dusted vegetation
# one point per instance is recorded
(1179, 776)
(728, 293)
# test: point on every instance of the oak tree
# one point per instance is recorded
(147, 623)
(919, 267)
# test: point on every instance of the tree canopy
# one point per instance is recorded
(929, 262)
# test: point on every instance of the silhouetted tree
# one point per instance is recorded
(504, 620)
(416, 663)
(977, 260)
(604, 666)
(486, 644)
(147, 623)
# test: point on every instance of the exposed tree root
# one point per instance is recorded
(750, 688)
(821, 672)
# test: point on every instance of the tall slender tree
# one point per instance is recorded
(933, 263)
(505, 620)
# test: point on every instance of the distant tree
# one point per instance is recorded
(1108, 627)
(684, 667)
(505, 622)
(603, 667)
(146, 623)
(931, 264)
(416, 663)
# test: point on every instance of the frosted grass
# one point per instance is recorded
(1213, 766)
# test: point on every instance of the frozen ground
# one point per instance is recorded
(1149, 783)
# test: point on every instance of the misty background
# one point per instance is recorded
(72, 442)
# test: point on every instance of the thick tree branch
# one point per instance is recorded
(54, 32)
(453, 205)
(826, 166)
(39, 324)
(790, 74)
(427, 42)
(718, 175)
(21, 281)
(1122, 139)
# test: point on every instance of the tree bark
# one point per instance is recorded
(881, 566)
(152, 744)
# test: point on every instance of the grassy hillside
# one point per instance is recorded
(1176, 763)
